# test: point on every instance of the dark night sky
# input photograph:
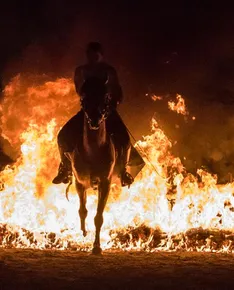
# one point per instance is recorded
(141, 34)
(139, 38)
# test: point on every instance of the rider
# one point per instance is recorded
(95, 67)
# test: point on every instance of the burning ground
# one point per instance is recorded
(166, 209)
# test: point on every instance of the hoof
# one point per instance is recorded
(84, 233)
(97, 251)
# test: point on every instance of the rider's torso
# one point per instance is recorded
(102, 71)
(99, 70)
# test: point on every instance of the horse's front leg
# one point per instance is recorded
(103, 192)
(82, 210)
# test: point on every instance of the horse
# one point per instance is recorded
(95, 156)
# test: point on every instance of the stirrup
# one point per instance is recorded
(61, 179)
(126, 179)
(64, 176)
(67, 179)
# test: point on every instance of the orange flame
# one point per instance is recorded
(165, 209)
(178, 107)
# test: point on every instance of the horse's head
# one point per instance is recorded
(95, 102)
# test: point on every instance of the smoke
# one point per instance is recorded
(210, 141)
(204, 138)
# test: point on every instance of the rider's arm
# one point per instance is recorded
(115, 86)
(78, 79)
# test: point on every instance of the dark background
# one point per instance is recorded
(150, 42)
(160, 47)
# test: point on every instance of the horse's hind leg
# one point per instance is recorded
(103, 191)
(82, 210)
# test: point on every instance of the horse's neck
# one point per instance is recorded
(94, 139)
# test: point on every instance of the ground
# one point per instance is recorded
(47, 269)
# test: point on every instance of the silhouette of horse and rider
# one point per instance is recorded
(94, 145)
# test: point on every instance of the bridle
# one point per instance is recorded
(103, 112)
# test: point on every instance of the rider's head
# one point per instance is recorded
(94, 52)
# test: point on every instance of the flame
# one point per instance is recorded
(178, 107)
(156, 98)
(165, 209)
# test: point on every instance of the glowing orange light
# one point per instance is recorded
(163, 198)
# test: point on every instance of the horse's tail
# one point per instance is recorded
(68, 187)
(69, 156)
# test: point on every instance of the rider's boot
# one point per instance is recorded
(65, 170)
(126, 178)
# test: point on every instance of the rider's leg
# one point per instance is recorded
(126, 178)
(121, 140)
(65, 170)
(67, 139)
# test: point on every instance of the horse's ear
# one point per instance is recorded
(107, 80)
(81, 100)
(81, 97)
(107, 98)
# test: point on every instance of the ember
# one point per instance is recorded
(165, 209)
